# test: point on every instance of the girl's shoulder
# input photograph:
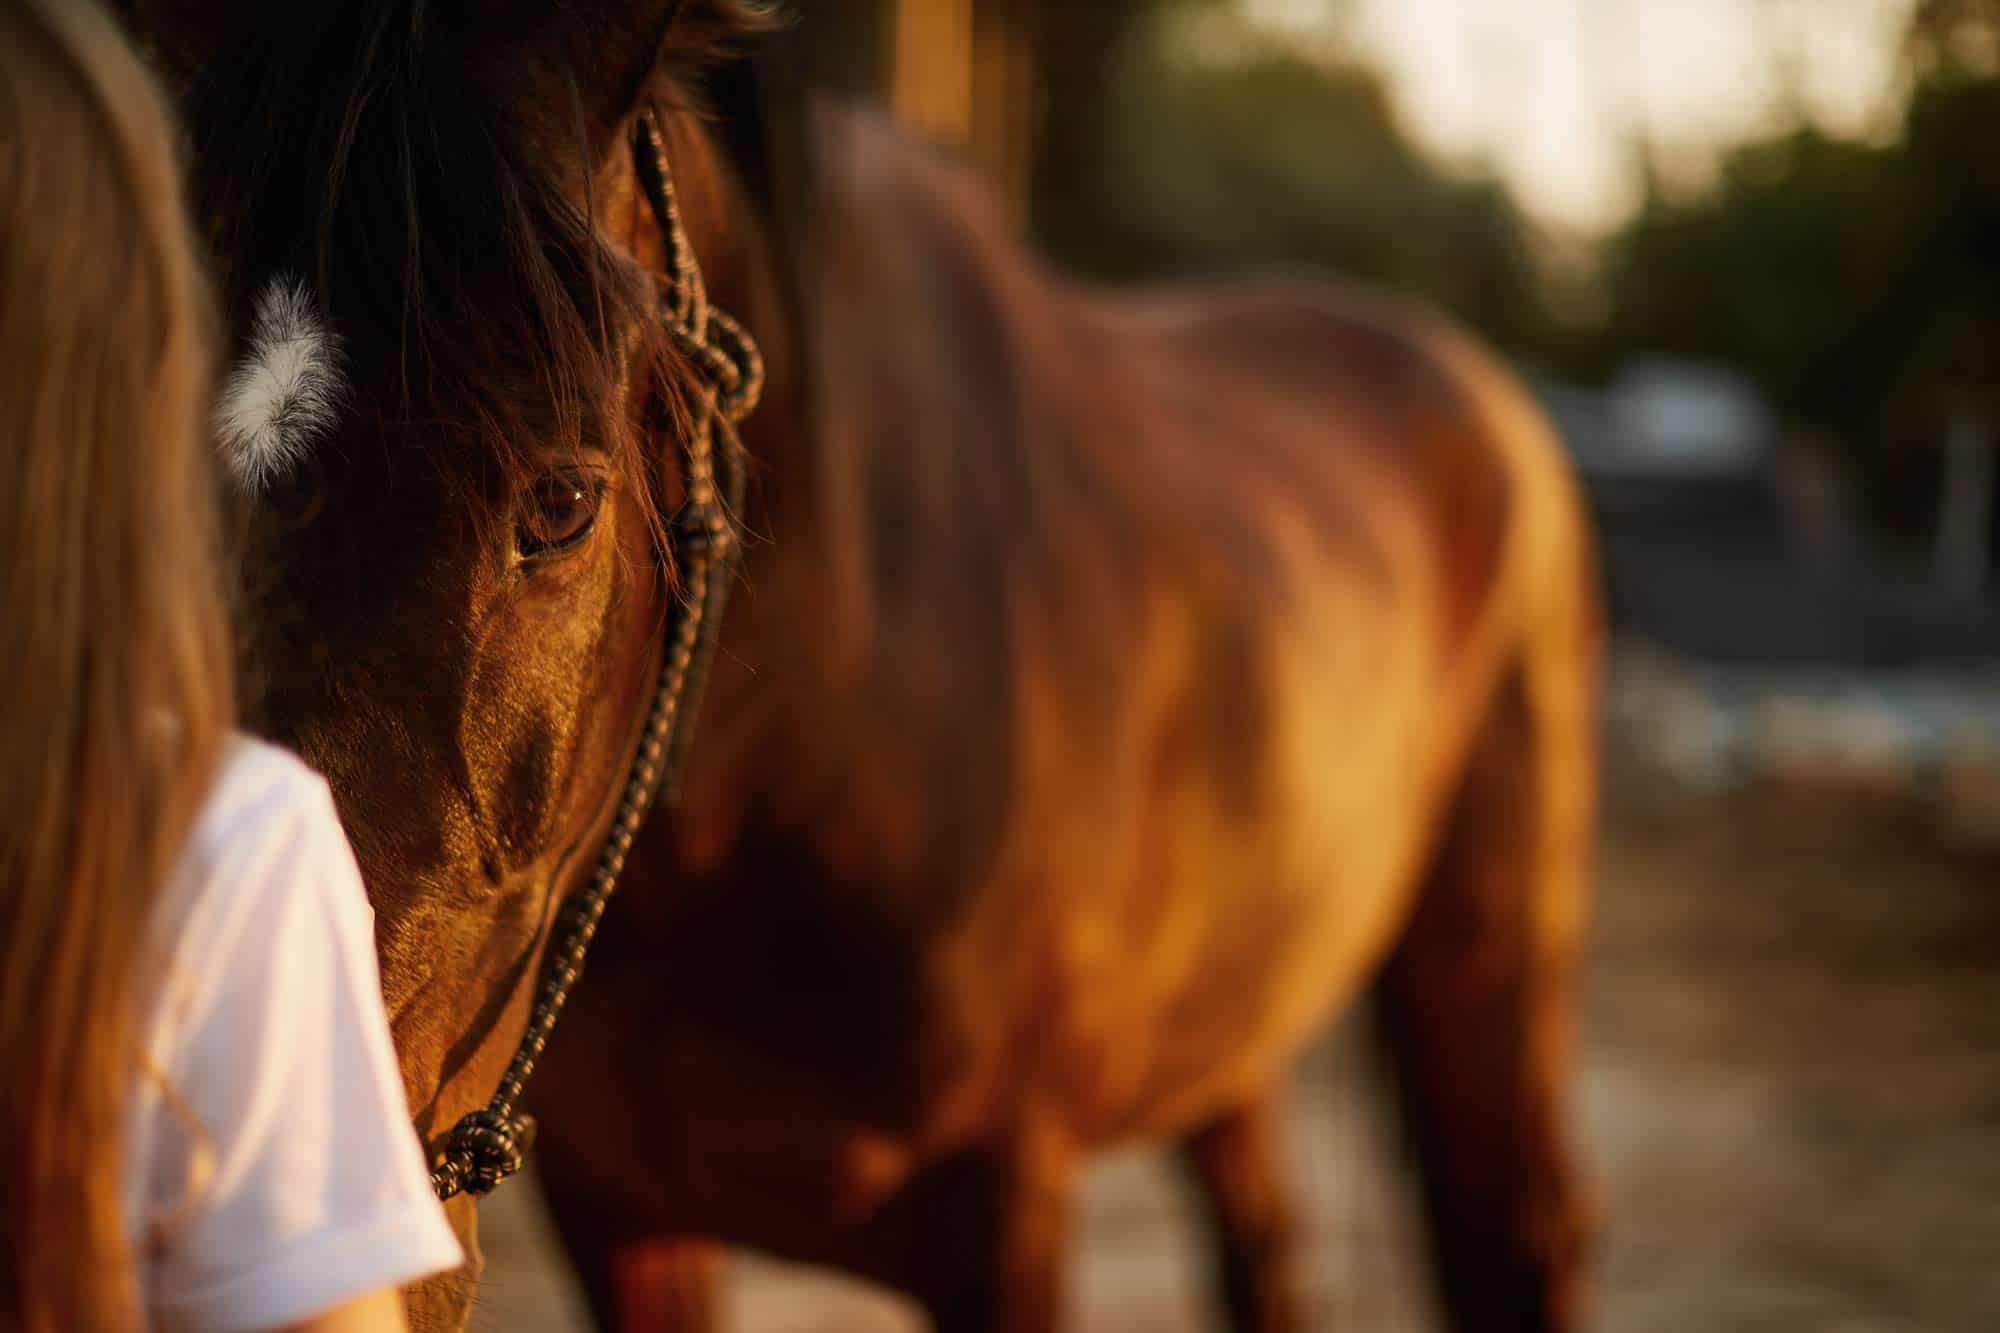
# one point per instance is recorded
(268, 826)
(272, 1167)
(259, 792)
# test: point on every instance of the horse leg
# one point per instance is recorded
(634, 1282)
(1235, 1160)
(653, 1286)
(986, 1238)
(1476, 1006)
(666, 1286)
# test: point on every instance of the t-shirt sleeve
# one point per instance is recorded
(302, 1183)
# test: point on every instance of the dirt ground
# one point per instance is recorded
(1791, 1099)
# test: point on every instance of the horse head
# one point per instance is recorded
(453, 426)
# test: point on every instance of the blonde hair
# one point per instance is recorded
(114, 653)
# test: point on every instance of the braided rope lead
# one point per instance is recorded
(488, 1145)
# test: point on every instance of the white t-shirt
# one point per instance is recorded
(272, 1172)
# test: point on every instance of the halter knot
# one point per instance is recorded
(485, 1148)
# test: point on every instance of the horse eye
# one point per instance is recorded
(559, 512)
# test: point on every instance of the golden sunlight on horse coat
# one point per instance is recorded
(1115, 689)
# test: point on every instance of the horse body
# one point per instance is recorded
(1116, 687)
(1116, 801)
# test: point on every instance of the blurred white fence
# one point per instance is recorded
(1926, 736)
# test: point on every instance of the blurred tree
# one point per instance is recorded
(1859, 285)
(1149, 160)
(1954, 34)
(1255, 156)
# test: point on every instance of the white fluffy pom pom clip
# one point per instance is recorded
(282, 396)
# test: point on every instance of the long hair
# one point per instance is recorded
(114, 651)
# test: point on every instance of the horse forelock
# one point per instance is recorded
(357, 157)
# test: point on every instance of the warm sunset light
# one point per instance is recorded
(1555, 93)
(999, 666)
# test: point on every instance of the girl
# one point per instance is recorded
(201, 1120)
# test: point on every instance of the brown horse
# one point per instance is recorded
(1117, 687)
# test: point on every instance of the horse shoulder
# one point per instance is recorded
(1416, 421)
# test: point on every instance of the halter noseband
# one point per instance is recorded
(487, 1146)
